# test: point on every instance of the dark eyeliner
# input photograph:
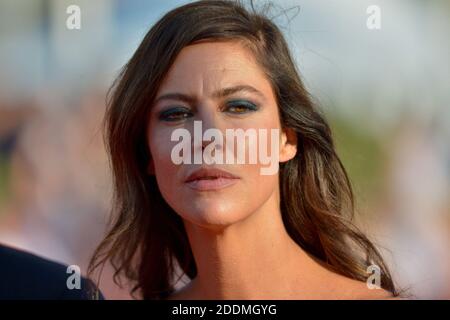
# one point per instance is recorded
(242, 103)
(165, 114)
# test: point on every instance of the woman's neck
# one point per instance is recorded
(251, 259)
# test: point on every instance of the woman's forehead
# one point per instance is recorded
(213, 65)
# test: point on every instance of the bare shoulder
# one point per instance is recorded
(342, 287)
(359, 290)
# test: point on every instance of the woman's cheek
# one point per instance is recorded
(164, 169)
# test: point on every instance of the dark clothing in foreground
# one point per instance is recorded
(26, 276)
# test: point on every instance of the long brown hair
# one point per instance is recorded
(147, 239)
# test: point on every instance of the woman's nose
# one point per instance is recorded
(208, 117)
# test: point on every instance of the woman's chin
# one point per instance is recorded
(214, 217)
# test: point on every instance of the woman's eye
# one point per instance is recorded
(240, 107)
(175, 114)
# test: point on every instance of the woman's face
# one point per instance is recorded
(199, 73)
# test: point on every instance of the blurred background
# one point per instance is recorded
(385, 91)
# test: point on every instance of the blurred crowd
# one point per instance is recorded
(55, 186)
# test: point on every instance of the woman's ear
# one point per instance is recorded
(288, 144)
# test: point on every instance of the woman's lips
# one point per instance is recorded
(205, 184)
(210, 178)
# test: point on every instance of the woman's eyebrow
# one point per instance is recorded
(239, 88)
(176, 96)
(217, 94)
